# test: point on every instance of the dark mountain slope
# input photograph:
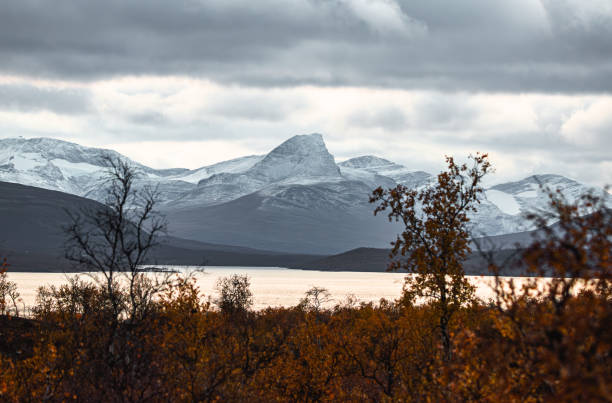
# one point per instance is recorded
(316, 219)
(31, 236)
(502, 247)
(377, 260)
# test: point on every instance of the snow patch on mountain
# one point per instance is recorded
(372, 169)
(235, 166)
(54, 164)
(42, 149)
(25, 161)
(535, 185)
(370, 162)
(504, 201)
(531, 192)
(75, 168)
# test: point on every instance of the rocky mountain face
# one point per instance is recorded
(295, 198)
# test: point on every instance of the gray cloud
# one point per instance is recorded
(27, 98)
(148, 118)
(258, 107)
(390, 118)
(434, 112)
(446, 112)
(474, 45)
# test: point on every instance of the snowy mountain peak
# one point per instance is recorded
(302, 144)
(61, 165)
(47, 149)
(233, 166)
(369, 161)
(300, 156)
(51, 164)
(373, 170)
(530, 186)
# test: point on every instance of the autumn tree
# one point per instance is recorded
(315, 298)
(235, 295)
(9, 296)
(115, 240)
(435, 240)
(548, 336)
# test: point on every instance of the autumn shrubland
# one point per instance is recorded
(144, 340)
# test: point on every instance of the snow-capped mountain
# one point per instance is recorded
(234, 166)
(528, 193)
(295, 198)
(51, 164)
(504, 206)
(377, 171)
(301, 159)
(66, 167)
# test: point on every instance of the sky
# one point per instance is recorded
(186, 83)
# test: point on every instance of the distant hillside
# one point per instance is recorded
(377, 260)
(32, 239)
(360, 259)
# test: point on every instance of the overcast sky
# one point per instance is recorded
(185, 83)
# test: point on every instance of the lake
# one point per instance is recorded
(274, 286)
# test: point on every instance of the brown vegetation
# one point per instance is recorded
(531, 344)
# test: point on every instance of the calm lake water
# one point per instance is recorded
(274, 286)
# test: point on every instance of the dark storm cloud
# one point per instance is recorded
(27, 98)
(520, 45)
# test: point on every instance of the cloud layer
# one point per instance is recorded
(474, 45)
(187, 122)
(192, 82)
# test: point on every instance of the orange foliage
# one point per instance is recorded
(435, 240)
(533, 344)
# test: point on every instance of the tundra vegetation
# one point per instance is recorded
(164, 341)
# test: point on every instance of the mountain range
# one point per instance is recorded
(296, 198)
(32, 236)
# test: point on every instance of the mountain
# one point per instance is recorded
(528, 194)
(32, 239)
(67, 167)
(299, 159)
(302, 156)
(316, 218)
(295, 198)
(237, 165)
(51, 164)
(377, 171)
(377, 260)
(503, 209)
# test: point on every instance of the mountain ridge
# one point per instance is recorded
(241, 201)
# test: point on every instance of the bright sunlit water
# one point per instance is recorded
(273, 286)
